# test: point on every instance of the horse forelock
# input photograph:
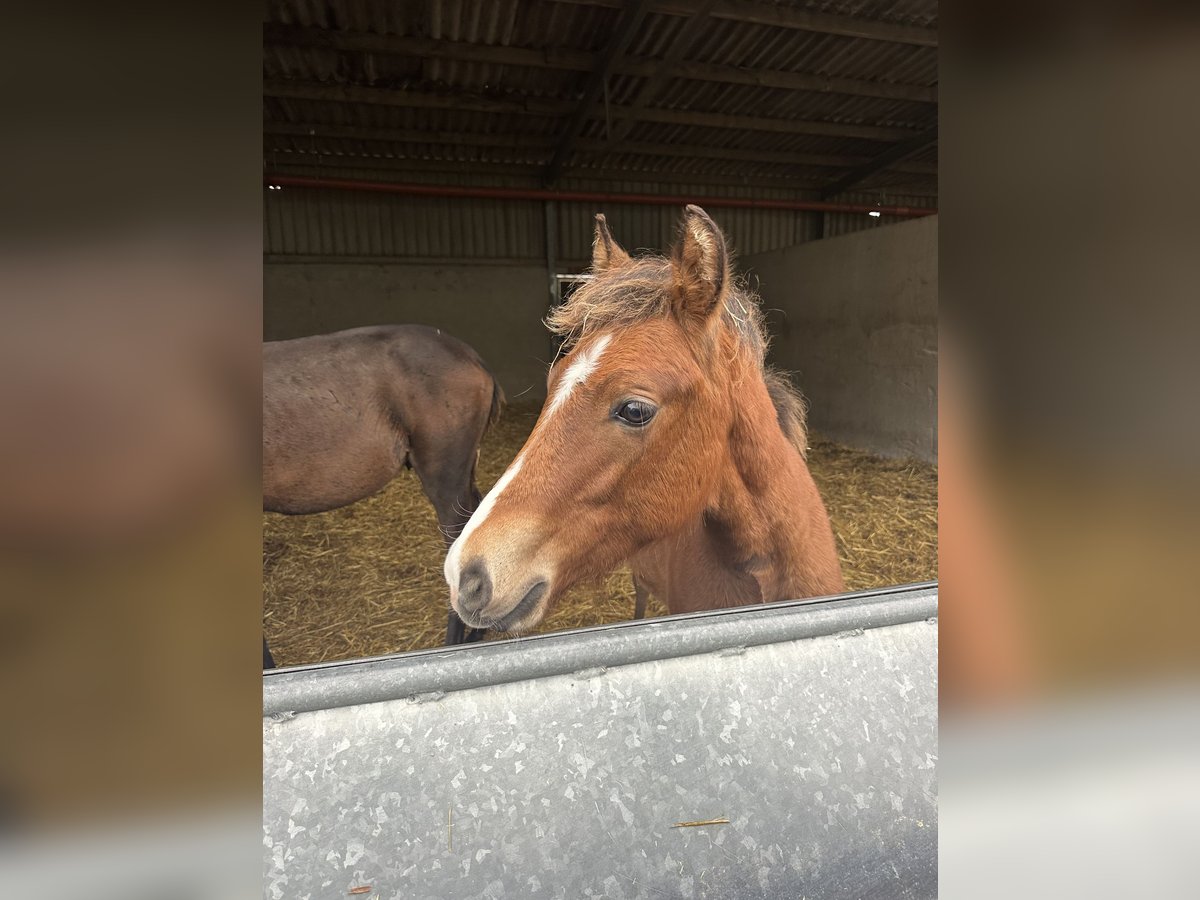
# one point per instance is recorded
(640, 290)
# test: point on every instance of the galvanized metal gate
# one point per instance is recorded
(570, 764)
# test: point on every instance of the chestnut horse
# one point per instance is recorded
(664, 443)
(345, 413)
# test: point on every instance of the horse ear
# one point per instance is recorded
(606, 252)
(700, 263)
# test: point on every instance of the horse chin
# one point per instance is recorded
(524, 627)
(529, 611)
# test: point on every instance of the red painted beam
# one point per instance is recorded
(497, 193)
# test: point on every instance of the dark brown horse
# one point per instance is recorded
(665, 443)
(345, 413)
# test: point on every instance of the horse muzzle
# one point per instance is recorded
(480, 605)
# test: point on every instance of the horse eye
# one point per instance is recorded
(636, 412)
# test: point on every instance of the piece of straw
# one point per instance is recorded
(721, 821)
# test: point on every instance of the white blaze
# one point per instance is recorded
(481, 513)
(577, 373)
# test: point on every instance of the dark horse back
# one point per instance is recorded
(345, 413)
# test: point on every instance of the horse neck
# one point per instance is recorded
(762, 534)
(766, 503)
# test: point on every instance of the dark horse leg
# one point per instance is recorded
(268, 660)
(447, 473)
(457, 631)
(641, 594)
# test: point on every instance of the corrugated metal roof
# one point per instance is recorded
(412, 100)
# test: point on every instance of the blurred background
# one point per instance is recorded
(130, 615)
(130, 285)
(1070, 434)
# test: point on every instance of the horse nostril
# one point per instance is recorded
(474, 588)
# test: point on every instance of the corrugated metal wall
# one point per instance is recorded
(305, 223)
(302, 222)
(844, 223)
(654, 227)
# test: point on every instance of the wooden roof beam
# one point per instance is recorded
(783, 157)
(546, 144)
(536, 106)
(658, 77)
(279, 157)
(760, 13)
(407, 135)
(888, 159)
(582, 61)
(296, 89)
(618, 43)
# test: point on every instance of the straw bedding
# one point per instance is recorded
(367, 579)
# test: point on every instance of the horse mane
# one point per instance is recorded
(790, 408)
(640, 289)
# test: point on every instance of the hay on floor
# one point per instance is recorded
(367, 579)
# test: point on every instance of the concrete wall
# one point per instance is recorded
(854, 318)
(497, 309)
